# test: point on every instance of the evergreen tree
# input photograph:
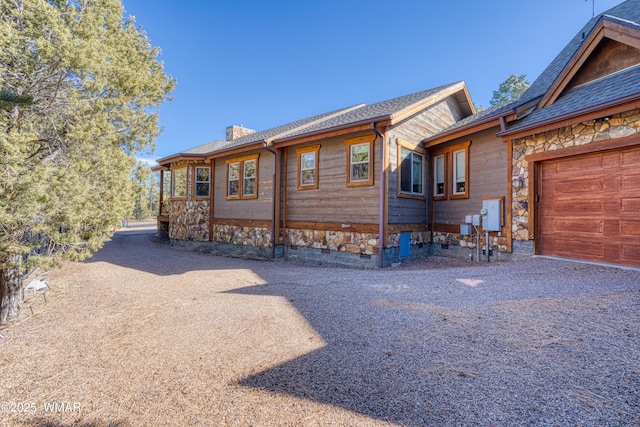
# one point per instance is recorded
(510, 89)
(80, 85)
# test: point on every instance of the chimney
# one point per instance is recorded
(234, 132)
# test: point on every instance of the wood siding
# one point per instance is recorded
(413, 130)
(487, 177)
(332, 201)
(260, 208)
(610, 56)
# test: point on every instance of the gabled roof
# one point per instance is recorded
(391, 111)
(596, 95)
(619, 23)
(256, 138)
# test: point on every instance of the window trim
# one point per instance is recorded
(186, 183)
(349, 143)
(300, 152)
(415, 150)
(454, 171)
(241, 178)
(449, 173)
(443, 195)
(196, 182)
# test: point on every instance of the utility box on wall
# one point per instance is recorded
(492, 221)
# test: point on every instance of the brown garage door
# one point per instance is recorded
(589, 207)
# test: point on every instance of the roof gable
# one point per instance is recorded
(390, 111)
(594, 51)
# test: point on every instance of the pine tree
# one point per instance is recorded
(80, 87)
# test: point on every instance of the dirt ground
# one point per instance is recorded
(144, 334)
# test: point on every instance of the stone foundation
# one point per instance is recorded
(498, 244)
(339, 241)
(189, 220)
(242, 236)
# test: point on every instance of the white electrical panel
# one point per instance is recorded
(476, 221)
(468, 219)
(492, 221)
(465, 229)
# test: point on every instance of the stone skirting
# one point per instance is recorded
(242, 236)
(189, 220)
(618, 126)
(340, 241)
(496, 243)
(226, 249)
(417, 237)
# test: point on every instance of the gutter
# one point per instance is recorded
(266, 146)
(381, 220)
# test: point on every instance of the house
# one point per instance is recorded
(348, 186)
(563, 161)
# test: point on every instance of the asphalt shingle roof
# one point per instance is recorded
(588, 95)
(367, 113)
(218, 145)
(340, 118)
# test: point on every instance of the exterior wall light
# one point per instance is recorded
(518, 182)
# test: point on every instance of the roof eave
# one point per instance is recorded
(629, 102)
(378, 120)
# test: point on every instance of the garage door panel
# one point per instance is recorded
(630, 182)
(630, 158)
(630, 228)
(630, 255)
(576, 186)
(575, 225)
(566, 206)
(575, 247)
(572, 167)
(589, 207)
(630, 205)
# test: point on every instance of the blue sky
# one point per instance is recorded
(265, 63)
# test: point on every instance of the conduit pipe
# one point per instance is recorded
(381, 221)
(274, 239)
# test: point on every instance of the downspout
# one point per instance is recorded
(381, 220)
(274, 239)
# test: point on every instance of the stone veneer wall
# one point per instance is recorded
(617, 126)
(189, 220)
(496, 243)
(341, 241)
(417, 237)
(242, 236)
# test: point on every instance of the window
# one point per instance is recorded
(410, 170)
(179, 183)
(242, 178)
(451, 172)
(249, 178)
(202, 181)
(439, 184)
(308, 167)
(360, 161)
(459, 172)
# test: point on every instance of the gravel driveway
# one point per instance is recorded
(147, 334)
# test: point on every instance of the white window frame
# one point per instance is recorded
(196, 182)
(456, 178)
(436, 181)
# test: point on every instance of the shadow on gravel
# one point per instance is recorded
(552, 344)
(146, 252)
(415, 364)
